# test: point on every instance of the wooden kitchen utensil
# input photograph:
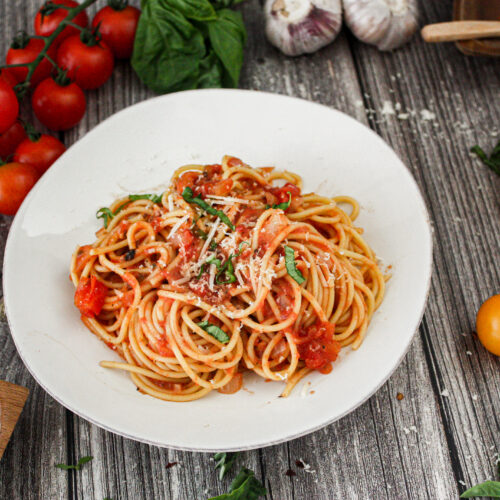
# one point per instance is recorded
(460, 30)
(12, 399)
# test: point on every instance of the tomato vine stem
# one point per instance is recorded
(21, 88)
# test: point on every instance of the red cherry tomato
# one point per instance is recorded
(9, 106)
(40, 152)
(46, 24)
(59, 107)
(89, 66)
(117, 24)
(16, 180)
(10, 139)
(7, 76)
(26, 50)
(90, 296)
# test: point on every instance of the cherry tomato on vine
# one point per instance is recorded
(25, 50)
(16, 180)
(9, 106)
(58, 105)
(39, 151)
(89, 62)
(117, 24)
(488, 324)
(10, 139)
(48, 19)
(7, 76)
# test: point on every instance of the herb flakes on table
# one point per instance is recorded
(493, 161)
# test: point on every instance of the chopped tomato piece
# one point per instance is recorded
(285, 299)
(234, 162)
(247, 219)
(281, 193)
(273, 226)
(211, 170)
(204, 183)
(90, 296)
(317, 347)
(234, 385)
(82, 258)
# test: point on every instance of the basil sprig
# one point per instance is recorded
(187, 194)
(224, 462)
(291, 268)
(78, 466)
(216, 332)
(244, 487)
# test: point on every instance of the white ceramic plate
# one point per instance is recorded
(137, 150)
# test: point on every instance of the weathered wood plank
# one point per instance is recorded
(463, 94)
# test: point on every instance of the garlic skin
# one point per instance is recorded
(302, 26)
(388, 24)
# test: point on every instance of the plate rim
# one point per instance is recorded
(429, 270)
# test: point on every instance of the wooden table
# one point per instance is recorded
(445, 433)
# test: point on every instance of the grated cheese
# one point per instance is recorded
(226, 200)
(210, 236)
(177, 225)
(170, 203)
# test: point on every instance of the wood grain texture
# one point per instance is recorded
(446, 428)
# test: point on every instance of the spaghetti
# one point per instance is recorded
(225, 272)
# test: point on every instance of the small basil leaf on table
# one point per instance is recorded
(244, 487)
(224, 462)
(486, 489)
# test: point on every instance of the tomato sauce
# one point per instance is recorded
(317, 346)
(90, 296)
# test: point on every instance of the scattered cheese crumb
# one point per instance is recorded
(427, 115)
(445, 393)
(388, 108)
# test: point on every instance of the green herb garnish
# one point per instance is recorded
(493, 162)
(78, 466)
(244, 487)
(155, 198)
(187, 194)
(486, 489)
(228, 270)
(216, 332)
(291, 268)
(224, 462)
(285, 204)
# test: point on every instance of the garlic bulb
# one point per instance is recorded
(302, 26)
(388, 24)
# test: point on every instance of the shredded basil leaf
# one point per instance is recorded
(78, 466)
(106, 214)
(486, 489)
(224, 462)
(155, 198)
(187, 194)
(216, 332)
(130, 254)
(228, 270)
(493, 162)
(244, 487)
(291, 268)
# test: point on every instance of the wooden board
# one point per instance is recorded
(12, 399)
(445, 432)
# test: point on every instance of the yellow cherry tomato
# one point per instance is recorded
(488, 324)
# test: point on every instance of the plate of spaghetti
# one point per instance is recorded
(241, 271)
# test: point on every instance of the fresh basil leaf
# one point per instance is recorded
(244, 487)
(78, 466)
(493, 162)
(224, 462)
(291, 268)
(211, 72)
(486, 489)
(285, 204)
(227, 35)
(197, 10)
(105, 214)
(155, 198)
(216, 332)
(228, 270)
(167, 48)
(187, 194)
(221, 4)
